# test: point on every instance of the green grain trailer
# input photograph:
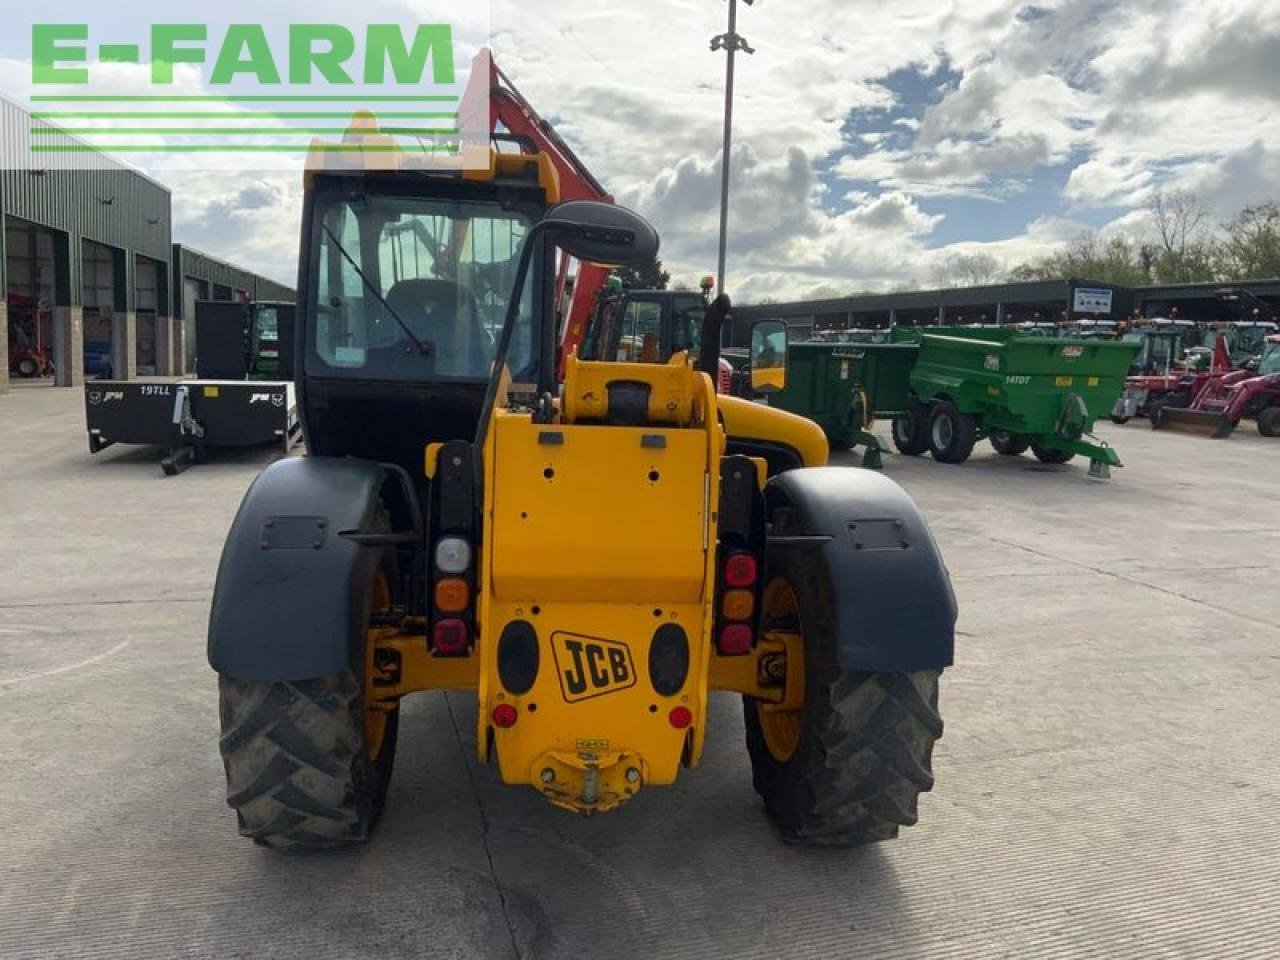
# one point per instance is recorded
(1019, 391)
(844, 387)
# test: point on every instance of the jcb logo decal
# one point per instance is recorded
(590, 667)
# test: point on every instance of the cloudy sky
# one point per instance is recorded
(872, 139)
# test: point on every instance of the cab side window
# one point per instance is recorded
(686, 331)
(641, 333)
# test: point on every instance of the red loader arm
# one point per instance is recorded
(509, 109)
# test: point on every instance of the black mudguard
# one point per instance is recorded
(878, 566)
(289, 596)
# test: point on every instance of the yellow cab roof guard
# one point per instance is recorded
(364, 148)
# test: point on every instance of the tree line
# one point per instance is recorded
(1181, 243)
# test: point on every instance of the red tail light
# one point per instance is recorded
(680, 717)
(505, 715)
(735, 640)
(740, 570)
(450, 638)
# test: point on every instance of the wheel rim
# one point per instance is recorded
(942, 432)
(902, 429)
(376, 712)
(781, 728)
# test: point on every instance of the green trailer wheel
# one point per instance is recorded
(952, 434)
(911, 432)
(1009, 444)
(1050, 454)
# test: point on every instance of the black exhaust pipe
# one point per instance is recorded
(712, 326)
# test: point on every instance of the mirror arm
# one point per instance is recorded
(621, 236)
(548, 356)
(509, 326)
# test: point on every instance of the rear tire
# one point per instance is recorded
(307, 766)
(1269, 422)
(1050, 454)
(862, 745)
(911, 433)
(1119, 420)
(1009, 444)
(298, 774)
(861, 765)
(952, 434)
(27, 368)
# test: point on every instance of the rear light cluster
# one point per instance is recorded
(737, 604)
(451, 597)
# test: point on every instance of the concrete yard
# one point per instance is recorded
(1108, 784)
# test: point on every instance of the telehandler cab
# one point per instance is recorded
(456, 526)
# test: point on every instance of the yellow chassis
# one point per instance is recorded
(772, 673)
(597, 537)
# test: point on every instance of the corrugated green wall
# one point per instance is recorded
(201, 266)
(111, 204)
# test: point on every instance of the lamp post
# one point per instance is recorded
(731, 42)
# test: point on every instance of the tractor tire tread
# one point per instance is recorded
(1269, 422)
(297, 773)
(868, 760)
(964, 434)
(1008, 444)
(1051, 455)
(917, 424)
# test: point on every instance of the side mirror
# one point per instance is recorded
(587, 230)
(602, 233)
(768, 356)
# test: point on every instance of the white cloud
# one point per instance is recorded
(252, 219)
(1049, 87)
(1109, 180)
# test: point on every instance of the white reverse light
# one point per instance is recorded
(453, 555)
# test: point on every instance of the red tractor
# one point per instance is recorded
(29, 321)
(1222, 401)
(1162, 373)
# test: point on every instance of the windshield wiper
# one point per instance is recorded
(422, 347)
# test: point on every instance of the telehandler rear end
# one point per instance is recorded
(592, 557)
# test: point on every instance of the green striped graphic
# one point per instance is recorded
(231, 131)
(243, 115)
(254, 98)
(242, 148)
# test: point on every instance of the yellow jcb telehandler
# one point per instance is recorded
(592, 556)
